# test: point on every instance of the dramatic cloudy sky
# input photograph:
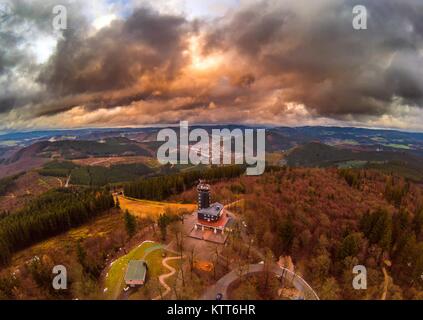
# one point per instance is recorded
(141, 62)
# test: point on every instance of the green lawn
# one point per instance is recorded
(155, 268)
(397, 146)
(149, 251)
(352, 164)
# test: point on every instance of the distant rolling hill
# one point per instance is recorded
(21, 151)
(352, 138)
(41, 152)
(316, 154)
(22, 160)
(78, 149)
(278, 138)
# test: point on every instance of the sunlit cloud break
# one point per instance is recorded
(264, 62)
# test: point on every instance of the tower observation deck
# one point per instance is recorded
(204, 197)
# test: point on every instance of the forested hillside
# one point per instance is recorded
(76, 149)
(7, 182)
(159, 188)
(95, 175)
(315, 154)
(329, 220)
(51, 214)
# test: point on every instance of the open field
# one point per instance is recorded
(109, 161)
(152, 209)
(149, 251)
(274, 158)
(397, 146)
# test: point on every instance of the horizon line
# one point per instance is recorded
(171, 125)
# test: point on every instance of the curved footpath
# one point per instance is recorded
(163, 277)
(223, 284)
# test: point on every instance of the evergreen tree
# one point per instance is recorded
(286, 235)
(377, 227)
(418, 221)
(160, 188)
(401, 225)
(163, 221)
(130, 224)
(395, 190)
(350, 246)
(80, 253)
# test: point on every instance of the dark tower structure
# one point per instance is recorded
(203, 195)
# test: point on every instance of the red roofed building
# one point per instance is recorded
(210, 217)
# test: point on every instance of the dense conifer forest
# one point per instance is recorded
(95, 176)
(7, 182)
(159, 188)
(51, 214)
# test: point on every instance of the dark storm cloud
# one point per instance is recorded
(275, 53)
(117, 56)
(322, 62)
(26, 20)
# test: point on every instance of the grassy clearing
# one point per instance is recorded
(151, 209)
(274, 158)
(397, 146)
(352, 164)
(153, 288)
(109, 161)
(151, 252)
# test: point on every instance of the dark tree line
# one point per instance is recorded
(53, 213)
(130, 224)
(7, 183)
(96, 176)
(377, 227)
(352, 177)
(160, 188)
(396, 189)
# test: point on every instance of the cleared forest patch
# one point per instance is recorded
(152, 209)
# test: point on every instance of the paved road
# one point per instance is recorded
(223, 284)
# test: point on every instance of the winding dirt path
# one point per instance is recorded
(100, 161)
(385, 284)
(60, 182)
(67, 181)
(163, 277)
